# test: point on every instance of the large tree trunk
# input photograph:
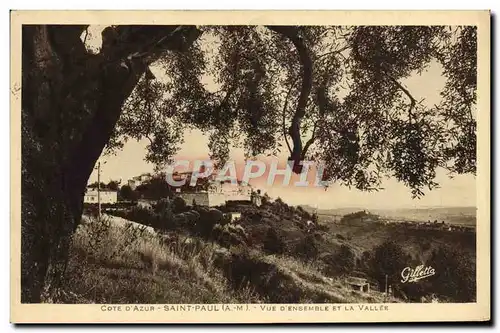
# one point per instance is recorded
(68, 114)
(71, 101)
(46, 217)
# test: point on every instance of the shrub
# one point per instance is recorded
(304, 214)
(426, 245)
(321, 227)
(239, 229)
(143, 216)
(307, 248)
(215, 216)
(365, 261)
(344, 260)
(266, 199)
(388, 259)
(208, 218)
(192, 216)
(273, 243)
(162, 206)
(160, 218)
(455, 275)
(229, 235)
(178, 205)
(227, 219)
(247, 269)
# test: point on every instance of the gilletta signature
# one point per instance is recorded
(418, 273)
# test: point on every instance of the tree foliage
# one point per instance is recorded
(455, 275)
(344, 260)
(155, 189)
(113, 185)
(332, 94)
(389, 259)
(126, 193)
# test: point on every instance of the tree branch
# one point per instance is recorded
(149, 139)
(413, 101)
(119, 76)
(310, 141)
(285, 107)
(307, 69)
(66, 41)
(333, 52)
(322, 104)
(227, 96)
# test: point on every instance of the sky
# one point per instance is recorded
(453, 192)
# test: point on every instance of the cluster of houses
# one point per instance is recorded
(108, 196)
(104, 196)
(435, 225)
(218, 193)
(139, 180)
(213, 194)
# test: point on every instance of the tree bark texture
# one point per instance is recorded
(71, 101)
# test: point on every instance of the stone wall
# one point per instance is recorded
(204, 198)
(200, 198)
(217, 199)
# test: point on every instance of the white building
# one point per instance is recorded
(218, 194)
(235, 216)
(232, 192)
(106, 196)
(144, 203)
(139, 180)
(132, 183)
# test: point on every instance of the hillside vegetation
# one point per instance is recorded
(176, 253)
(122, 262)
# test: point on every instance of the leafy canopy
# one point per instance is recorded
(333, 94)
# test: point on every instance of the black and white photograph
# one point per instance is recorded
(173, 166)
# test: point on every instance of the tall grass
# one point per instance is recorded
(115, 263)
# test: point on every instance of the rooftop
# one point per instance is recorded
(356, 281)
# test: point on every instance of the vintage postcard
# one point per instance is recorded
(250, 166)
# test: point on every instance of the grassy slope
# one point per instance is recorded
(122, 262)
(117, 263)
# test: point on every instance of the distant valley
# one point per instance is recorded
(450, 215)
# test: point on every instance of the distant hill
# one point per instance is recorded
(453, 215)
(334, 211)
